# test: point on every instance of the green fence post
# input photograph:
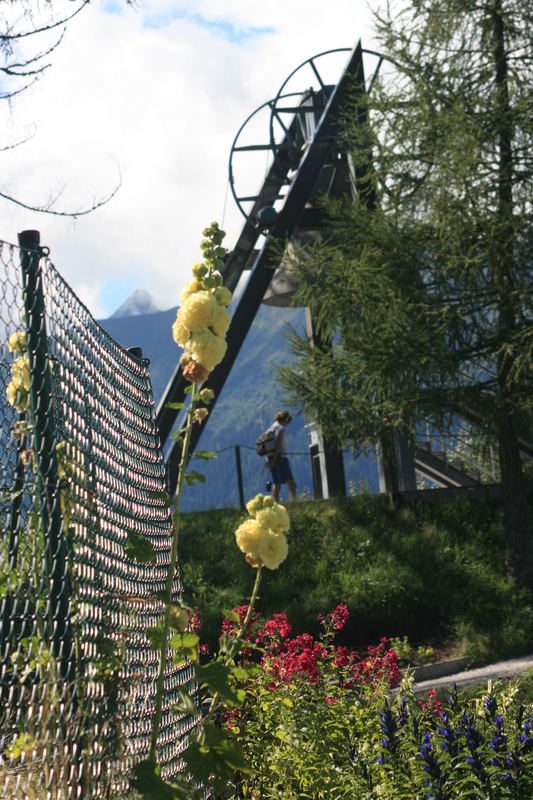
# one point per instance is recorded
(45, 453)
(239, 476)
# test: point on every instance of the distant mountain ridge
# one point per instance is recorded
(245, 407)
(138, 303)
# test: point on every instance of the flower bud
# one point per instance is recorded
(194, 372)
(200, 414)
(199, 270)
(206, 395)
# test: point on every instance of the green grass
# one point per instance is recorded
(432, 572)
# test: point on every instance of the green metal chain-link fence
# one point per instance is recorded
(81, 470)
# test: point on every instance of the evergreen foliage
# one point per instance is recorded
(424, 284)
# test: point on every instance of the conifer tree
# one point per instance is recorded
(424, 283)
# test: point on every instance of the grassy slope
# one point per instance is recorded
(432, 572)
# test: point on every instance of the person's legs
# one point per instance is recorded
(276, 481)
(285, 475)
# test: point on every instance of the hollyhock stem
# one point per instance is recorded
(251, 604)
(233, 649)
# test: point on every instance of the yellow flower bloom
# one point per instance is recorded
(180, 333)
(275, 518)
(17, 396)
(248, 535)
(220, 322)
(20, 372)
(189, 288)
(206, 348)
(223, 295)
(255, 504)
(17, 342)
(272, 549)
(196, 313)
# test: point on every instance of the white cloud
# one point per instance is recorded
(160, 90)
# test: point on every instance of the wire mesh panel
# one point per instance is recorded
(81, 473)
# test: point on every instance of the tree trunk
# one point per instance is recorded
(519, 542)
(516, 512)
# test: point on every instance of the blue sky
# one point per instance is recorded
(225, 28)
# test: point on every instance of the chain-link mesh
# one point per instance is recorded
(81, 469)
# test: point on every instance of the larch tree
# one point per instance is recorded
(424, 284)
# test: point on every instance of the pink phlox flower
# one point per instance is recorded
(274, 631)
(339, 616)
(335, 619)
(432, 703)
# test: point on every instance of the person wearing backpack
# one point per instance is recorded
(277, 461)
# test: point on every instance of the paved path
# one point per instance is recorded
(503, 669)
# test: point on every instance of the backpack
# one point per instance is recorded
(266, 443)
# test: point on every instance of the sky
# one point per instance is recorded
(153, 95)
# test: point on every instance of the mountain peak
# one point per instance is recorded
(139, 302)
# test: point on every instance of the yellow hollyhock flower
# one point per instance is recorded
(272, 549)
(220, 321)
(248, 536)
(190, 288)
(180, 333)
(20, 372)
(17, 342)
(206, 348)
(17, 396)
(197, 311)
(274, 518)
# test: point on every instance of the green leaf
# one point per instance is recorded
(8, 580)
(175, 406)
(139, 548)
(185, 705)
(185, 646)
(243, 674)
(8, 497)
(155, 637)
(189, 389)
(178, 615)
(218, 678)
(160, 495)
(231, 615)
(177, 435)
(193, 477)
(214, 752)
(204, 454)
(147, 781)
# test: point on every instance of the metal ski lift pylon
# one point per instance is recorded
(304, 163)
